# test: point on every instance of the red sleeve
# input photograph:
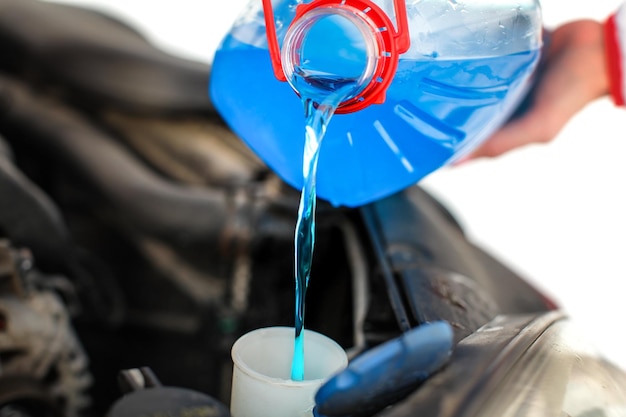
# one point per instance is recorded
(615, 41)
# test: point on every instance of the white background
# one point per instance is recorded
(555, 213)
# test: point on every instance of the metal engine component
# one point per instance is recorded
(144, 395)
(43, 367)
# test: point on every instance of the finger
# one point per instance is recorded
(574, 78)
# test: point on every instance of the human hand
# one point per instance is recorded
(574, 74)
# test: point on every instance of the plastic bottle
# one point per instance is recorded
(436, 77)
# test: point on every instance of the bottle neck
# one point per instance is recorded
(331, 52)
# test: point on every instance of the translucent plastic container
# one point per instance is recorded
(262, 386)
(466, 67)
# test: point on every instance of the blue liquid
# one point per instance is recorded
(434, 109)
(319, 107)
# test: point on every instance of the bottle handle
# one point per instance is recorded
(400, 35)
(272, 40)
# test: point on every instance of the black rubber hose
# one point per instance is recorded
(98, 60)
(136, 194)
(28, 217)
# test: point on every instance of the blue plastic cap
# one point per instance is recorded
(377, 376)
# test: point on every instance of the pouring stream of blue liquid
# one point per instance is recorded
(318, 111)
(324, 78)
